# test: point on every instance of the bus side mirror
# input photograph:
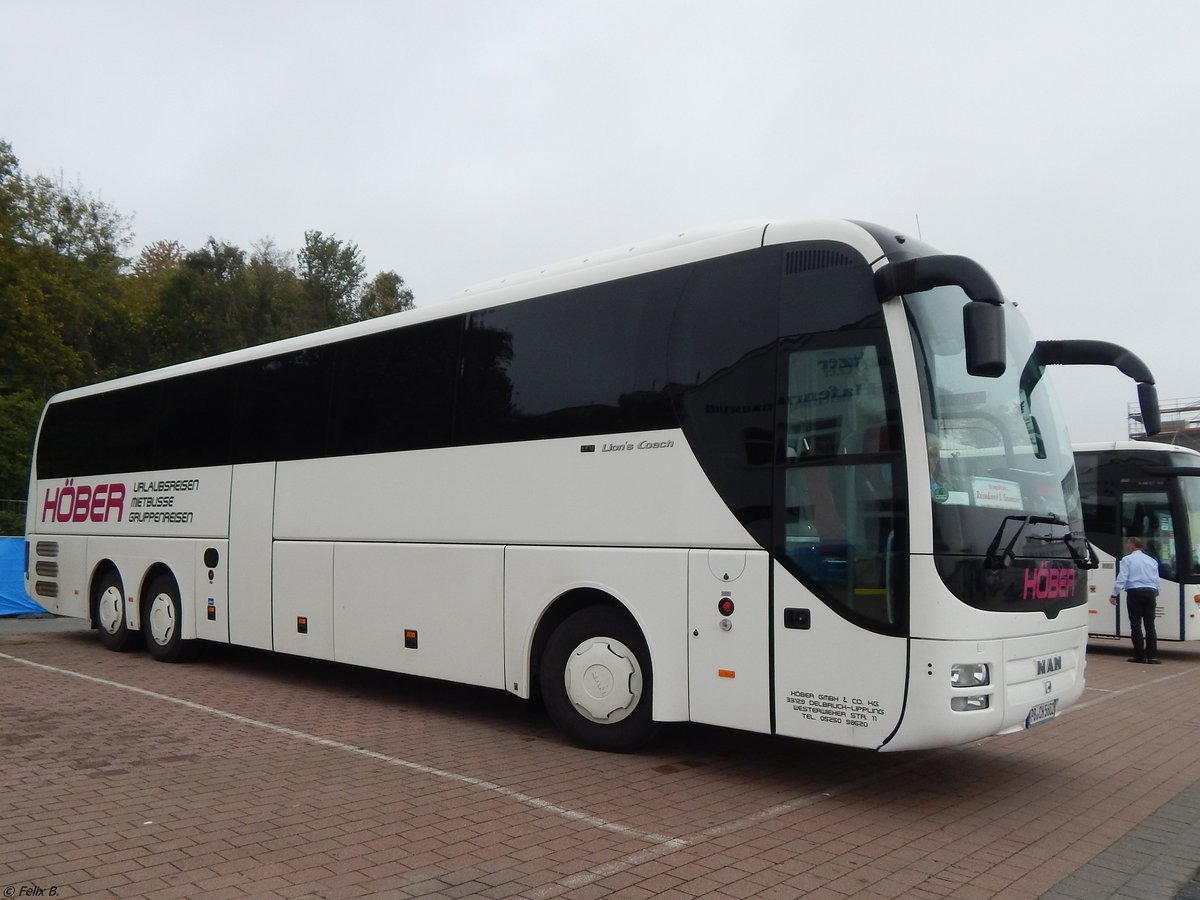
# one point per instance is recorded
(1102, 353)
(983, 327)
(983, 317)
(1148, 401)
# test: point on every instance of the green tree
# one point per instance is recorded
(158, 264)
(383, 295)
(61, 302)
(19, 412)
(10, 172)
(277, 294)
(158, 258)
(74, 310)
(202, 308)
(61, 280)
(332, 272)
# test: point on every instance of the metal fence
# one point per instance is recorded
(12, 517)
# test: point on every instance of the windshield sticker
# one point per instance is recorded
(997, 493)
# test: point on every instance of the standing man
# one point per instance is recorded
(1138, 577)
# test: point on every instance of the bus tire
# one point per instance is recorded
(108, 612)
(163, 622)
(596, 681)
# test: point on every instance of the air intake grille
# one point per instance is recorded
(797, 261)
(46, 567)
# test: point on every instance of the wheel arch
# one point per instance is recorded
(544, 586)
(148, 578)
(558, 611)
(172, 639)
(596, 679)
(101, 568)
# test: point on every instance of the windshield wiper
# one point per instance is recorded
(1091, 561)
(997, 561)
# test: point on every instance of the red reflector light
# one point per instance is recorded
(725, 606)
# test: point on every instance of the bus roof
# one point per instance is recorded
(1152, 446)
(626, 260)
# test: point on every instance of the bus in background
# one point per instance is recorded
(1151, 491)
(800, 478)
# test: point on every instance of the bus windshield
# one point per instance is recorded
(997, 449)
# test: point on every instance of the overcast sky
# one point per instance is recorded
(456, 142)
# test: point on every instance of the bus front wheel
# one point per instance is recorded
(164, 620)
(596, 681)
(108, 612)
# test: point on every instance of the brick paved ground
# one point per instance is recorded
(1152, 860)
(245, 774)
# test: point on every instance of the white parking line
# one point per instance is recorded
(661, 845)
(634, 859)
(1111, 694)
(659, 840)
(625, 863)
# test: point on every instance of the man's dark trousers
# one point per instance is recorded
(1141, 604)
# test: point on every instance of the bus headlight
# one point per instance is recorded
(967, 704)
(970, 675)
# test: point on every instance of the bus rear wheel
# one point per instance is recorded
(164, 621)
(108, 612)
(596, 681)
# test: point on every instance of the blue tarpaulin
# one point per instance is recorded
(13, 599)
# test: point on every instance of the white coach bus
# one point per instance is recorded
(685, 481)
(1150, 491)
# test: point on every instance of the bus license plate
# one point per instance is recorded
(1043, 712)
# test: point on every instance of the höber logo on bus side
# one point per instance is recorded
(84, 502)
(1047, 583)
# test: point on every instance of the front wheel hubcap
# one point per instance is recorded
(603, 680)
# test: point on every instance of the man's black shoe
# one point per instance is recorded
(1134, 659)
(1154, 662)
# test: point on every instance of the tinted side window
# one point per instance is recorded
(395, 390)
(723, 368)
(591, 361)
(114, 432)
(194, 421)
(282, 406)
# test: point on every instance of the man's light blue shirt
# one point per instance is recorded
(1137, 571)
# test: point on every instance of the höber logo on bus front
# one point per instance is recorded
(84, 502)
(1047, 583)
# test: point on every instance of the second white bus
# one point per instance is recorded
(1150, 491)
